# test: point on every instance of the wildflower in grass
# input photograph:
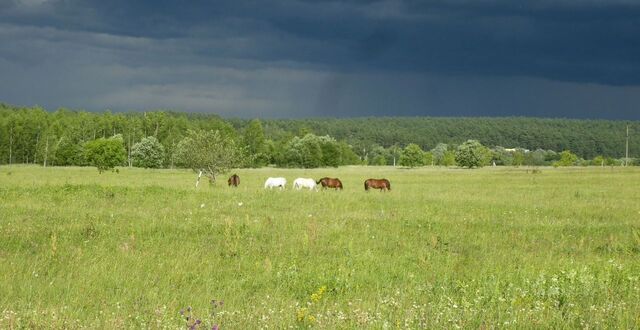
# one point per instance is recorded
(301, 314)
(311, 319)
(316, 296)
(215, 327)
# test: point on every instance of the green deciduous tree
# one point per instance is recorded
(518, 157)
(412, 156)
(303, 152)
(254, 139)
(535, 158)
(598, 161)
(330, 151)
(148, 153)
(313, 151)
(347, 156)
(472, 154)
(69, 152)
(428, 158)
(439, 153)
(567, 158)
(105, 153)
(210, 152)
(501, 156)
(449, 158)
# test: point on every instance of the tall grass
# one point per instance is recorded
(446, 248)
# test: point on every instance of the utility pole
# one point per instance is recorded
(626, 153)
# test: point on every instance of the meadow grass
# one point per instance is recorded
(446, 248)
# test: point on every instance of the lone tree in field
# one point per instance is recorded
(209, 153)
(472, 154)
(149, 153)
(412, 156)
(105, 154)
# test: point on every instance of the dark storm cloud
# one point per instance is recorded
(309, 58)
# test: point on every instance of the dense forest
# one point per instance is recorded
(586, 138)
(34, 135)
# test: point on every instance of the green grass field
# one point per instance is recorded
(447, 248)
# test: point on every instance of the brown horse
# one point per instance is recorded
(234, 180)
(382, 184)
(330, 183)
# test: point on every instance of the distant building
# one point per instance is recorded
(516, 149)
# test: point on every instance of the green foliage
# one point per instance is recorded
(598, 161)
(379, 156)
(105, 153)
(449, 158)
(439, 154)
(27, 135)
(46, 147)
(254, 139)
(210, 152)
(347, 156)
(313, 151)
(472, 154)
(412, 156)
(303, 152)
(501, 156)
(518, 157)
(586, 138)
(148, 153)
(330, 151)
(567, 158)
(378, 160)
(68, 152)
(428, 158)
(536, 158)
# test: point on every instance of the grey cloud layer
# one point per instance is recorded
(299, 58)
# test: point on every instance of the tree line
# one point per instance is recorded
(160, 139)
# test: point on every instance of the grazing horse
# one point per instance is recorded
(234, 180)
(275, 182)
(300, 183)
(330, 183)
(382, 184)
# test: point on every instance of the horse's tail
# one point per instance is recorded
(318, 182)
(366, 185)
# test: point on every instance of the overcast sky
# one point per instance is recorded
(544, 58)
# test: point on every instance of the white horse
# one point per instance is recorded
(300, 183)
(275, 182)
